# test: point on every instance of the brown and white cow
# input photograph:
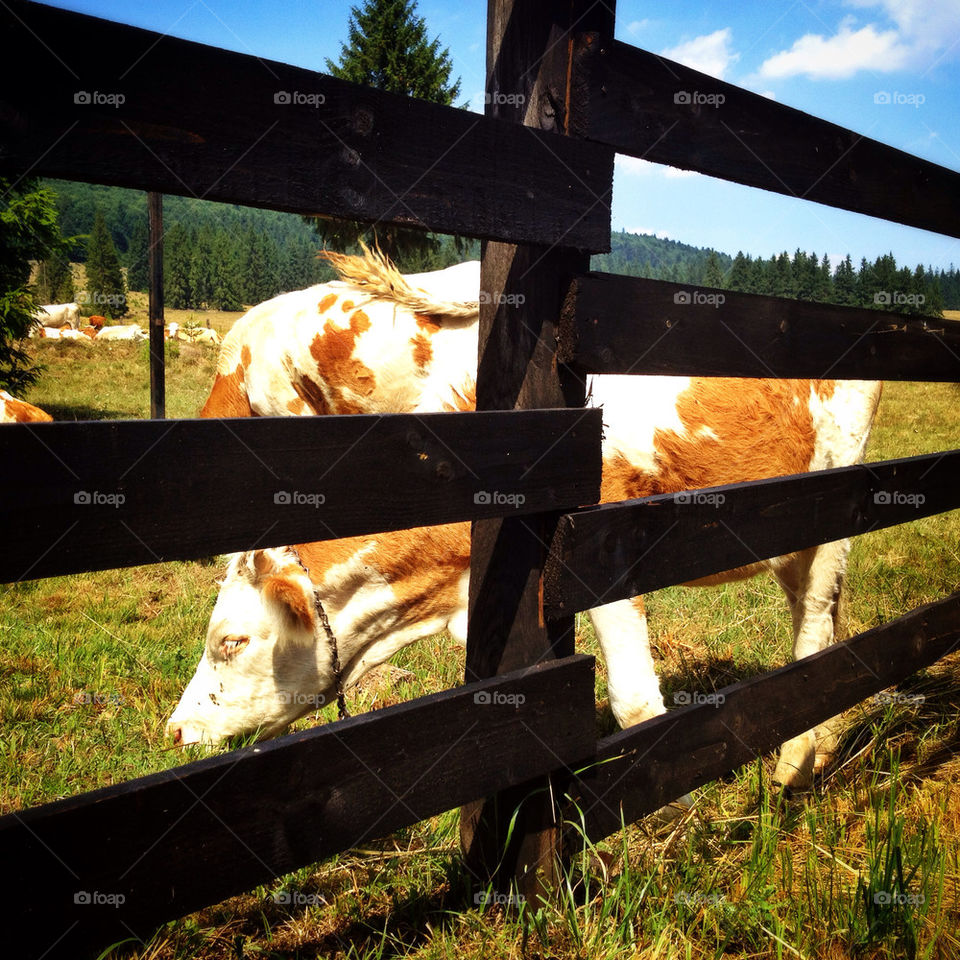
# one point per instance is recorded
(373, 342)
(13, 410)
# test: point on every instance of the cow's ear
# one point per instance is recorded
(262, 563)
(291, 597)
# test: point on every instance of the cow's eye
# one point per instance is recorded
(231, 646)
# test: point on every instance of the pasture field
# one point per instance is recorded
(867, 866)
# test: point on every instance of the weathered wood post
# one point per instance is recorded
(155, 309)
(532, 47)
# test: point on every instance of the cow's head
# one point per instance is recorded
(261, 668)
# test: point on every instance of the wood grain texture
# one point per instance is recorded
(175, 841)
(530, 46)
(647, 106)
(92, 496)
(200, 121)
(616, 324)
(625, 549)
(640, 769)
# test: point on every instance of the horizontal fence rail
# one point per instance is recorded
(617, 324)
(638, 770)
(179, 117)
(644, 105)
(619, 550)
(119, 861)
(93, 496)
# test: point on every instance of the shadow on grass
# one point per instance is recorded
(73, 412)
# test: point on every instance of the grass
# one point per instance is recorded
(866, 867)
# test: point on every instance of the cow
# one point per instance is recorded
(266, 662)
(129, 331)
(58, 314)
(13, 410)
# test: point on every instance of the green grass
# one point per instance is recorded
(93, 664)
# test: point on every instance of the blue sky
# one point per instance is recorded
(829, 58)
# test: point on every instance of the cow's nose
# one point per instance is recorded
(177, 734)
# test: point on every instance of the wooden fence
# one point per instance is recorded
(532, 178)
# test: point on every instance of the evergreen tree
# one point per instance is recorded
(176, 268)
(106, 290)
(713, 272)
(55, 278)
(740, 274)
(138, 257)
(388, 48)
(824, 291)
(28, 231)
(202, 268)
(845, 283)
(226, 283)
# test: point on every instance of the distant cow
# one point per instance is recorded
(376, 343)
(129, 331)
(58, 314)
(13, 410)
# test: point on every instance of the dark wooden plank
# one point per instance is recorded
(625, 549)
(91, 496)
(616, 324)
(640, 769)
(529, 49)
(647, 106)
(175, 841)
(158, 402)
(199, 121)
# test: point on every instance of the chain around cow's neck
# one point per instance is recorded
(331, 639)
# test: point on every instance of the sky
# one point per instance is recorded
(888, 69)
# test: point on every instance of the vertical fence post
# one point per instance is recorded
(155, 311)
(530, 53)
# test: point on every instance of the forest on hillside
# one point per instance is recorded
(223, 256)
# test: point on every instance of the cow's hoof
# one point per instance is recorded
(795, 767)
(669, 814)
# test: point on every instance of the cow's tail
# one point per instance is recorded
(377, 276)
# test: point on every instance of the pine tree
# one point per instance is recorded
(388, 49)
(106, 290)
(845, 283)
(713, 272)
(740, 274)
(226, 283)
(28, 231)
(55, 278)
(138, 257)
(176, 268)
(824, 290)
(202, 269)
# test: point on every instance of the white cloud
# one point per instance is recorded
(637, 26)
(840, 56)
(709, 54)
(927, 25)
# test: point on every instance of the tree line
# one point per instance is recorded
(879, 284)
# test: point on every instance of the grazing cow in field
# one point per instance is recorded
(13, 410)
(58, 314)
(374, 342)
(129, 331)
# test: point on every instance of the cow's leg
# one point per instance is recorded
(812, 581)
(632, 682)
